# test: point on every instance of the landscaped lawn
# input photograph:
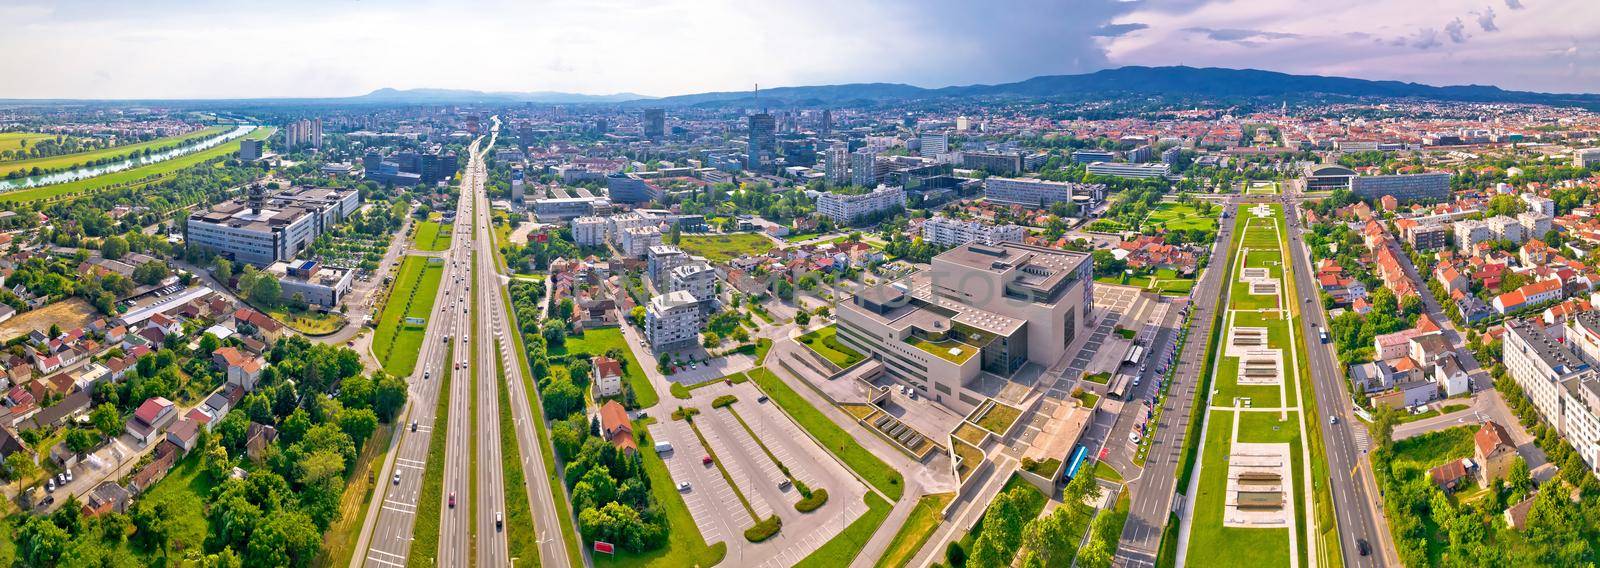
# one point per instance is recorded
(1106, 472)
(834, 438)
(970, 456)
(685, 545)
(963, 352)
(70, 160)
(1179, 217)
(824, 343)
(598, 342)
(185, 488)
(723, 248)
(309, 322)
(1087, 398)
(431, 236)
(396, 343)
(1046, 468)
(915, 531)
(1098, 378)
(969, 433)
(135, 177)
(845, 546)
(1249, 547)
(999, 418)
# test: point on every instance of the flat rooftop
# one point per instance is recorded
(1036, 267)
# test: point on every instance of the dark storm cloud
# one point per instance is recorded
(1029, 38)
(1117, 30)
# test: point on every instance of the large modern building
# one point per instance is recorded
(1091, 156)
(1587, 157)
(1137, 171)
(699, 280)
(312, 282)
(660, 260)
(1040, 193)
(262, 229)
(836, 164)
(630, 188)
(997, 163)
(864, 168)
(848, 208)
(635, 242)
(251, 150)
(1560, 379)
(977, 316)
(1433, 186)
(1328, 177)
(672, 320)
(655, 123)
(934, 144)
(763, 150)
(302, 133)
(947, 232)
(556, 210)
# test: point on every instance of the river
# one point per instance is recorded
(130, 163)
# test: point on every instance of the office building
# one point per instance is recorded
(1142, 153)
(312, 282)
(1405, 188)
(963, 124)
(250, 232)
(947, 232)
(434, 167)
(1170, 156)
(1136, 171)
(836, 164)
(635, 242)
(672, 321)
(1091, 156)
(251, 150)
(556, 210)
(630, 188)
(763, 149)
(825, 127)
(864, 168)
(996, 163)
(589, 231)
(934, 144)
(848, 208)
(1040, 193)
(699, 280)
(979, 309)
(1328, 177)
(655, 123)
(661, 260)
(1585, 158)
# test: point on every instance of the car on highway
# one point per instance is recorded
(1333, 420)
(413, 425)
(452, 499)
(498, 521)
(397, 478)
(1363, 547)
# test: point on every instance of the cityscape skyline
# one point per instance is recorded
(592, 48)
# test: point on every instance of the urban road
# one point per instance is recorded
(1154, 489)
(388, 533)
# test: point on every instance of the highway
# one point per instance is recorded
(388, 533)
(1153, 491)
(1355, 507)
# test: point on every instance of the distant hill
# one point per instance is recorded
(1209, 82)
(469, 96)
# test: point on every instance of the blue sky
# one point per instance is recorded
(175, 48)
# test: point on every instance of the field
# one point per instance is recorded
(823, 342)
(1179, 217)
(396, 344)
(14, 140)
(723, 248)
(830, 435)
(136, 177)
(598, 342)
(185, 488)
(69, 313)
(919, 526)
(1242, 413)
(430, 237)
(72, 160)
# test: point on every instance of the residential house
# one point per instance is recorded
(166, 455)
(1493, 452)
(616, 428)
(185, 434)
(107, 497)
(151, 418)
(1450, 475)
(607, 379)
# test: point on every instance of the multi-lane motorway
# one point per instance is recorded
(389, 531)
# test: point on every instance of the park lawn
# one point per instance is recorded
(685, 545)
(397, 344)
(7, 141)
(1179, 217)
(598, 342)
(1249, 547)
(431, 236)
(918, 527)
(830, 435)
(845, 546)
(135, 177)
(1264, 427)
(1106, 472)
(723, 248)
(823, 342)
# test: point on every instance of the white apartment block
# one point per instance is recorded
(948, 232)
(847, 208)
(616, 224)
(1560, 378)
(864, 167)
(935, 144)
(1471, 232)
(696, 278)
(1586, 157)
(1540, 205)
(636, 241)
(1040, 193)
(589, 231)
(1534, 225)
(672, 320)
(1506, 228)
(836, 162)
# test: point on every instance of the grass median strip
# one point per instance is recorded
(472, 415)
(687, 415)
(521, 535)
(830, 435)
(811, 500)
(915, 532)
(425, 528)
(843, 549)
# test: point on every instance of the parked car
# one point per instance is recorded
(683, 486)
(705, 460)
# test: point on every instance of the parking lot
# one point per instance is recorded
(714, 505)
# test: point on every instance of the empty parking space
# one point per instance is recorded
(709, 499)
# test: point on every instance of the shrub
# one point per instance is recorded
(724, 401)
(956, 555)
(813, 501)
(764, 529)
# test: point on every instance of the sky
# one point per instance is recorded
(316, 48)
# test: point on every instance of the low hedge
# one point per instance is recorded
(812, 502)
(764, 529)
(724, 401)
(679, 391)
